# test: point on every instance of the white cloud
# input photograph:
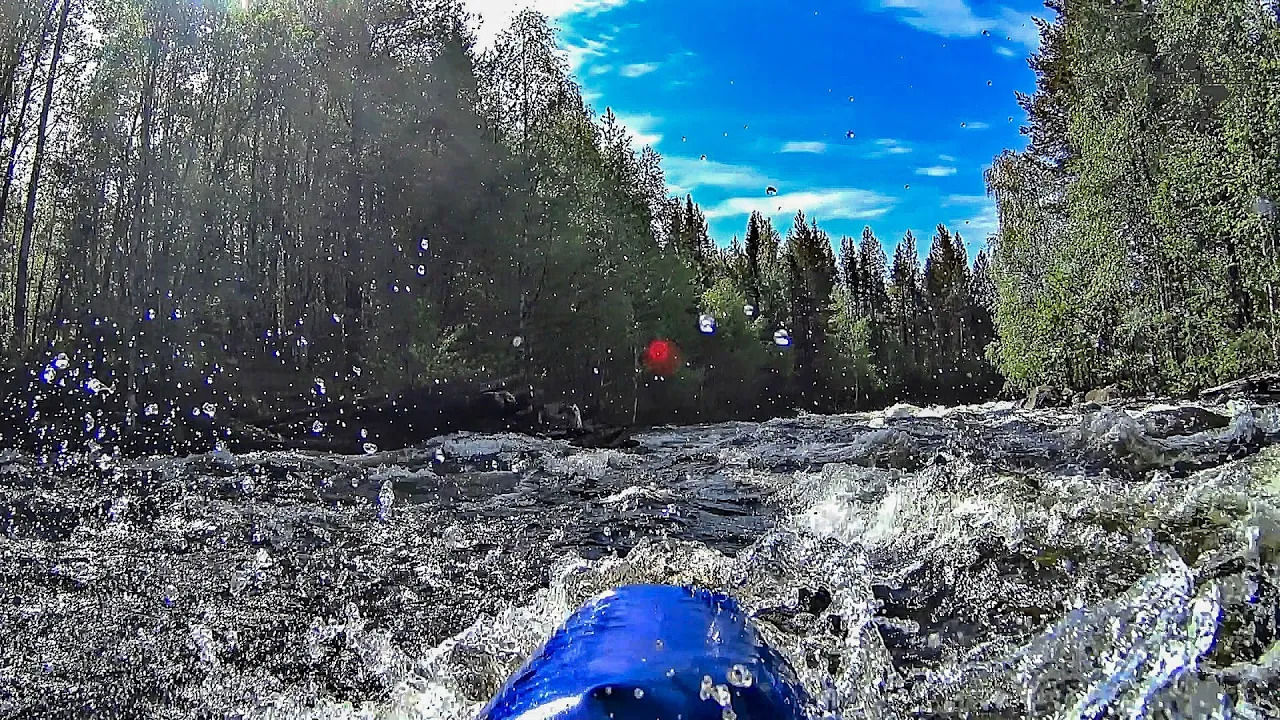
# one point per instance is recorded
(955, 18)
(579, 55)
(599, 69)
(936, 171)
(815, 148)
(975, 126)
(636, 70)
(888, 146)
(822, 204)
(495, 15)
(980, 225)
(686, 174)
(953, 200)
(643, 129)
(1005, 51)
(947, 158)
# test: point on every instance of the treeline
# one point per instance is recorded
(1138, 232)
(800, 324)
(213, 200)
(206, 203)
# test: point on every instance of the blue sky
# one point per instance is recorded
(768, 91)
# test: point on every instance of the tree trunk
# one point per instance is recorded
(19, 127)
(354, 246)
(28, 220)
(43, 289)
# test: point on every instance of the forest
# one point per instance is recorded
(227, 202)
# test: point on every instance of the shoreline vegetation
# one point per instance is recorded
(330, 212)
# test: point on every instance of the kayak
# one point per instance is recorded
(653, 652)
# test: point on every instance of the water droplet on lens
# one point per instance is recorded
(749, 310)
(61, 362)
(1265, 207)
(639, 693)
(517, 341)
(422, 269)
(369, 448)
(422, 244)
(317, 427)
(707, 325)
(986, 33)
(740, 676)
(771, 191)
(782, 338)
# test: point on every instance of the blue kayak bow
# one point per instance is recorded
(653, 652)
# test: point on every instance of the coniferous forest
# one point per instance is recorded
(219, 201)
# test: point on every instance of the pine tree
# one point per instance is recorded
(755, 230)
(946, 280)
(851, 275)
(904, 314)
(811, 275)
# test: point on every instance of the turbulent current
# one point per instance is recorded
(973, 562)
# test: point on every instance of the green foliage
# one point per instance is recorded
(436, 352)
(1130, 249)
(349, 191)
(852, 354)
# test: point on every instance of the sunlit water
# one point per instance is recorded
(972, 562)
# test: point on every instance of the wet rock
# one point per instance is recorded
(611, 438)
(1102, 395)
(562, 416)
(815, 601)
(1047, 396)
(1251, 604)
(1182, 421)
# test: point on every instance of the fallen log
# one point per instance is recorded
(1263, 387)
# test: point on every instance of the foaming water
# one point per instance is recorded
(944, 562)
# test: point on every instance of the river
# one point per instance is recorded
(982, 561)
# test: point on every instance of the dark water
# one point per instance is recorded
(974, 562)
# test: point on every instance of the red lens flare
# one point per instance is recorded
(662, 357)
